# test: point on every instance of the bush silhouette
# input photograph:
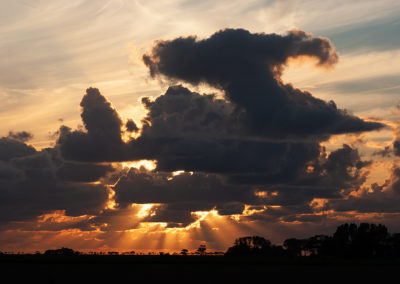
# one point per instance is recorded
(61, 251)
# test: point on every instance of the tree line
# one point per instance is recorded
(349, 241)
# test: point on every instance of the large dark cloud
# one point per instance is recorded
(188, 131)
(262, 117)
(82, 172)
(37, 182)
(184, 130)
(160, 187)
(248, 68)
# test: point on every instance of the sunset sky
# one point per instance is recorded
(163, 125)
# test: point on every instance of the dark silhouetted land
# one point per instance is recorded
(129, 269)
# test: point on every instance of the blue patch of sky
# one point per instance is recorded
(378, 35)
(379, 84)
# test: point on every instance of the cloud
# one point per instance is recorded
(36, 182)
(386, 152)
(101, 139)
(173, 217)
(82, 172)
(376, 199)
(396, 147)
(184, 130)
(131, 126)
(247, 67)
(262, 126)
(22, 136)
(11, 148)
(329, 177)
(188, 191)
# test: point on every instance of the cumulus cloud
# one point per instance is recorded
(331, 177)
(186, 188)
(11, 148)
(184, 130)
(260, 111)
(36, 182)
(82, 172)
(383, 198)
(101, 138)
(247, 67)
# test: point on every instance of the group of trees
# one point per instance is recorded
(67, 251)
(349, 241)
(61, 251)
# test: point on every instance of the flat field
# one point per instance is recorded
(133, 268)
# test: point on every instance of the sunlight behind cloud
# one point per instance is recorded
(147, 164)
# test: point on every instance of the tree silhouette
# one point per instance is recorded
(366, 240)
(61, 251)
(202, 249)
(393, 247)
(254, 245)
(294, 247)
(318, 245)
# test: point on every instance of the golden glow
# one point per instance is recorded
(310, 62)
(149, 165)
(177, 173)
(310, 169)
(58, 216)
(152, 225)
(128, 136)
(291, 222)
(201, 216)
(204, 214)
(146, 209)
(318, 203)
(248, 211)
(111, 204)
(266, 194)
(261, 194)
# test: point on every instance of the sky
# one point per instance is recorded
(163, 125)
